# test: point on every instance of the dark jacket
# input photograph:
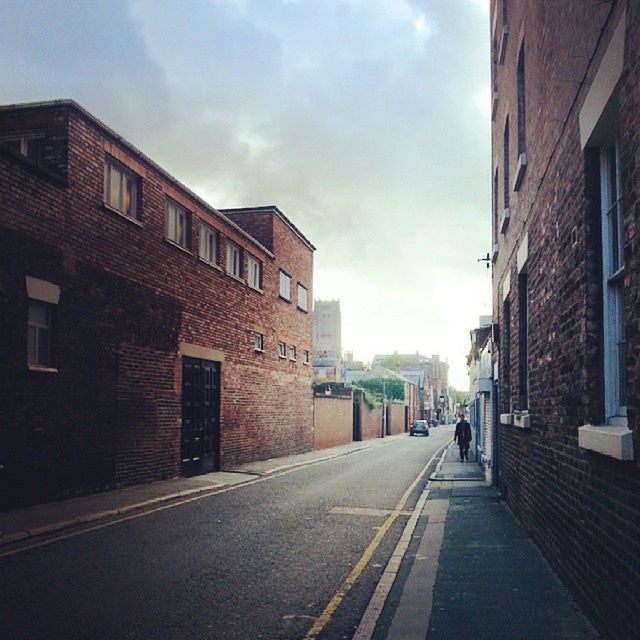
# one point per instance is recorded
(463, 432)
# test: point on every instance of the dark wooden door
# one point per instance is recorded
(200, 416)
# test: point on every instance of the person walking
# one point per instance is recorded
(463, 437)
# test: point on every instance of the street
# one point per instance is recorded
(260, 561)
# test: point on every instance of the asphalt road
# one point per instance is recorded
(259, 561)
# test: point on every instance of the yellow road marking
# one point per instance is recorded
(325, 617)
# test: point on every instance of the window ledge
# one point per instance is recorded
(516, 419)
(613, 441)
(256, 289)
(123, 216)
(301, 309)
(42, 369)
(217, 267)
(284, 299)
(282, 357)
(233, 277)
(504, 220)
(177, 246)
(494, 105)
(494, 253)
(520, 169)
(259, 350)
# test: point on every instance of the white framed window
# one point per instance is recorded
(258, 342)
(28, 145)
(234, 259)
(121, 189)
(293, 355)
(302, 297)
(282, 350)
(613, 283)
(254, 267)
(39, 329)
(176, 226)
(305, 356)
(208, 244)
(285, 285)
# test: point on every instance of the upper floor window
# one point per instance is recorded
(121, 189)
(255, 273)
(285, 285)
(28, 145)
(613, 283)
(39, 333)
(495, 216)
(505, 164)
(234, 259)
(209, 244)
(282, 350)
(305, 356)
(522, 114)
(293, 355)
(302, 297)
(258, 342)
(177, 224)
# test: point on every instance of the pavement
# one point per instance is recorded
(464, 567)
(472, 572)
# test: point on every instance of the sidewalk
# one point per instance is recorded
(472, 572)
(29, 522)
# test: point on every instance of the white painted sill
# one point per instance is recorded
(516, 419)
(520, 169)
(41, 369)
(615, 441)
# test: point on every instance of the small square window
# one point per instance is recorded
(285, 285)
(28, 145)
(209, 244)
(292, 353)
(255, 273)
(177, 224)
(39, 334)
(121, 189)
(305, 356)
(302, 297)
(234, 260)
(282, 350)
(258, 342)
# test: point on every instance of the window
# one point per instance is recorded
(234, 260)
(302, 297)
(282, 350)
(292, 353)
(521, 102)
(121, 189)
(255, 273)
(496, 189)
(39, 334)
(505, 164)
(208, 244)
(28, 145)
(613, 284)
(258, 342)
(506, 353)
(285, 285)
(305, 356)
(176, 224)
(523, 339)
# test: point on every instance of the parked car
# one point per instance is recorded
(419, 428)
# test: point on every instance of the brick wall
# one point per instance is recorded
(397, 418)
(332, 421)
(129, 298)
(580, 507)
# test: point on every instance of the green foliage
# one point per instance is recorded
(392, 387)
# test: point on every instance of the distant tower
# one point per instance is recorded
(327, 331)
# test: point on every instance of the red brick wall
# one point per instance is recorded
(332, 421)
(128, 299)
(580, 507)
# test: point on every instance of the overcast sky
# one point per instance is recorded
(366, 121)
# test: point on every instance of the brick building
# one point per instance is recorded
(566, 290)
(143, 333)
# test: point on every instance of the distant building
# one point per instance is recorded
(327, 340)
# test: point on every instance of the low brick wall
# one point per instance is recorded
(332, 421)
(397, 418)
(371, 421)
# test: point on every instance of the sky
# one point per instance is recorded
(367, 122)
